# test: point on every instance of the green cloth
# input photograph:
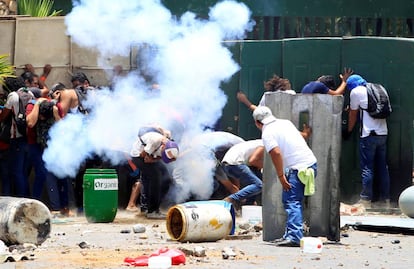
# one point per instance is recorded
(307, 177)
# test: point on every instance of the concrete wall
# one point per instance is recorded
(41, 41)
(321, 211)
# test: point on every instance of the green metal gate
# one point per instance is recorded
(384, 60)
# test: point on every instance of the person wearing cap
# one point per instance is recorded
(372, 143)
(290, 154)
(326, 84)
(150, 152)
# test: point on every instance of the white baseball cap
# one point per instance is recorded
(263, 114)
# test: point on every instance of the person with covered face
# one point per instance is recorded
(372, 143)
(151, 151)
(291, 158)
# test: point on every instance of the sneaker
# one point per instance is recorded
(365, 203)
(277, 240)
(156, 215)
(287, 243)
(236, 204)
(385, 204)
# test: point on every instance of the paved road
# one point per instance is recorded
(108, 246)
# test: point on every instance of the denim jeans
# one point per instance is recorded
(292, 202)
(57, 189)
(253, 184)
(373, 150)
(35, 157)
(4, 173)
(18, 166)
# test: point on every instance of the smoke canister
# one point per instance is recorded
(204, 221)
(311, 245)
(100, 195)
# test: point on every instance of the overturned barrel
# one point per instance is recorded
(23, 220)
(204, 221)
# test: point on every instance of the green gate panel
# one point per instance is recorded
(387, 61)
(305, 60)
(259, 61)
(383, 60)
(229, 119)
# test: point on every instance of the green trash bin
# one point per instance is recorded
(100, 194)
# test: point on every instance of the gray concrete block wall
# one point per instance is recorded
(323, 113)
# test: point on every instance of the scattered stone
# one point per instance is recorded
(199, 251)
(239, 237)
(125, 231)
(186, 251)
(84, 244)
(143, 236)
(245, 226)
(228, 253)
(139, 228)
(396, 241)
(258, 227)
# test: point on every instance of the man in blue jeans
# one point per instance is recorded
(289, 154)
(243, 162)
(372, 144)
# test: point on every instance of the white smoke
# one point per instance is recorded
(187, 59)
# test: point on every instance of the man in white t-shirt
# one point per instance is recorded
(373, 143)
(153, 144)
(244, 161)
(289, 154)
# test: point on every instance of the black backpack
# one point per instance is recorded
(379, 106)
(20, 116)
(82, 94)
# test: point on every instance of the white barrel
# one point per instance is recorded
(23, 220)
(406, 202)
(199, 222)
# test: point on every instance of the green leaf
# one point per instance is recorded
(37, 8)
(6, 69)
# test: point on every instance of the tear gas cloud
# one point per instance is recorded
(185, 56)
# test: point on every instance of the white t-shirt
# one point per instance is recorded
(152, 141)
(283, 134)
(241, 152)
(359, 99)
(262, 100)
